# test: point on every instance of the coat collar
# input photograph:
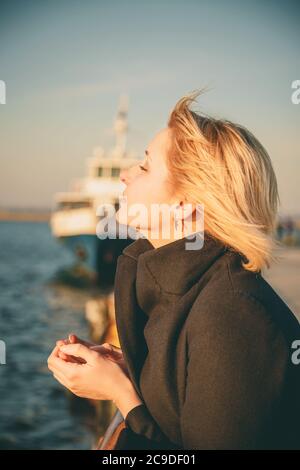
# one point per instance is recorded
(147, 279)
(173, 267)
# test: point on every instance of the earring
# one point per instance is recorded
(177, 216)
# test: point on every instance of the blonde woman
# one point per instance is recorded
(206, 343)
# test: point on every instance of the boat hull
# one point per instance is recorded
(96, 256)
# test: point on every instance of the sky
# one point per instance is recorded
(65, 64)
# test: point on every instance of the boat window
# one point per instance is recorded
(100, 171)
(115, 171)
(73, 204)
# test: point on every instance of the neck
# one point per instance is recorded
(160, 240)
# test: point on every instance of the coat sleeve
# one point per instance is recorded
(143, 432)
(237, 358)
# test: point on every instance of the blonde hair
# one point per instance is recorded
(222, 165)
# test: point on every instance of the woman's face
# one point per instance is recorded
(147, 183)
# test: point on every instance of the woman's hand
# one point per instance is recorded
(112, 351)
(72, 339)
(98, 378)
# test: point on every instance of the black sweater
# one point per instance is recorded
(208, 346)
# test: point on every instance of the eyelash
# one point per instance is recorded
(141, 166)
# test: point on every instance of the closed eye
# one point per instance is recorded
(141, 166)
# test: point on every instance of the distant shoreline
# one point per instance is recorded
(25, 216)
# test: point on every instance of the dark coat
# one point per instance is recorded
(208, 347)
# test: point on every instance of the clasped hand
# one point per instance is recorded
(90, 371)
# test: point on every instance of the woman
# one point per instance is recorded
(206, 343)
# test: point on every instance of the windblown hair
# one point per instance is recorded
(222, 166)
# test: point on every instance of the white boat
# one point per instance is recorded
(74, 218)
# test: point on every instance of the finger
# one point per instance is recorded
(113, 348)
(79, 350)
(52, 357)
(64, 368)
(70, 358)
(60, 342)
(117, 351)
(104, 350)
(75, 339)
(100, 348)
(53, 353)
(66, 357)
(110, 349)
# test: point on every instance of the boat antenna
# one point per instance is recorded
(121, 126)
